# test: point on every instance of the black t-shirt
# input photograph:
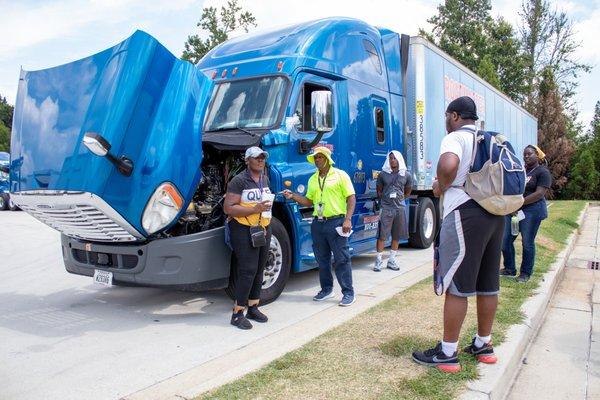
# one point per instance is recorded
(250, 193)
(539, 176)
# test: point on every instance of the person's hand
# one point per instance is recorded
(436, 189)
(288, 194)
(346, 226)
(262, 206)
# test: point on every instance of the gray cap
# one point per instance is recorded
(254, 152)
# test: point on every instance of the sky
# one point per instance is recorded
(37, 34)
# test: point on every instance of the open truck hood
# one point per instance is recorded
(144, 101)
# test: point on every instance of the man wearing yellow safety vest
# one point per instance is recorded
(331, 193)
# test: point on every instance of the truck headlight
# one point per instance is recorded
(163, 206)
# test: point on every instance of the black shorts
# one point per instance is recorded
(469, 251)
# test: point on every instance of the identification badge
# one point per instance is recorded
(393, 195)
(320, 210)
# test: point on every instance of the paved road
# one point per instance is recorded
(62, 337)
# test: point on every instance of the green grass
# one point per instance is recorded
(368, 357)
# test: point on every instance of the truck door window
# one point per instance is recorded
(304, 123)
(379, 125)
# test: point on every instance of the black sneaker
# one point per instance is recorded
(436, 358)
(255, 314)
(238, 319)
(484, 354)
(523, 278)
(507, 272)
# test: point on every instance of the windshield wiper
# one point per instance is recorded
(239, 128)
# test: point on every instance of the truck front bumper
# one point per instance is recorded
(199, 261)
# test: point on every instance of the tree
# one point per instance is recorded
(231, 18)
(6, 112)
(6, 117)
(591, 144)
(552, 131)
(487, 71)
(584, 179)
(548, 40)
(504, 50)
(465, 30)
(460, 27)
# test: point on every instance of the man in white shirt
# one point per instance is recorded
(470, 242)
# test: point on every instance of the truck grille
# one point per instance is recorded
(78, 215)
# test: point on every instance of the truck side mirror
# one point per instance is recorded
(321, 110)
(321, 113)
(98, 145)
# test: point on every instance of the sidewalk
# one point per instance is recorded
(496, 381)
(563, 360)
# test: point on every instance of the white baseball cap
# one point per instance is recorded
(254, 152)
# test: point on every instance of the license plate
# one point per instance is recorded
(103, 277)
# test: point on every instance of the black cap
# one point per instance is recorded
(465, 107)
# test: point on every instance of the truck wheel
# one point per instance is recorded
(426, 224)
(277, 270)
(3, 201)
(12, 206)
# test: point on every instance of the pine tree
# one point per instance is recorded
(6, 117)
(487, 71)
(6, 112)
(584, 180)
(4, 137)
(553, 136)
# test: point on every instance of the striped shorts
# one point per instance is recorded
(469, 251)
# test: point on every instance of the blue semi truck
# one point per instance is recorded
(6, 202)
(128, 152)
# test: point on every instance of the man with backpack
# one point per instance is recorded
(470, 242)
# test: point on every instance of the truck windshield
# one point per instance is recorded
(248, 103)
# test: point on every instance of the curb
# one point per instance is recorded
(496, 380)
(231, 366)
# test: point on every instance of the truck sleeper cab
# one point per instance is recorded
(128, 152)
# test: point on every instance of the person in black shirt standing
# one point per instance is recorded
(538, 181)
(245, 204)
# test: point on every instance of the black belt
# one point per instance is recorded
(328, 218)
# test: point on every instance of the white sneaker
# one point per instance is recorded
(391, 264)
(378, 265)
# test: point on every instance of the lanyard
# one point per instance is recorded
(260, 188)
(322, 184)
(259, 185)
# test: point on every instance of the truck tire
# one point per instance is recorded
(3, 201)
(277, 270)
(426, 224)
(12, 206)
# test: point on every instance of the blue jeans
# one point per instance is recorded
(534, 215)
(325, 242)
